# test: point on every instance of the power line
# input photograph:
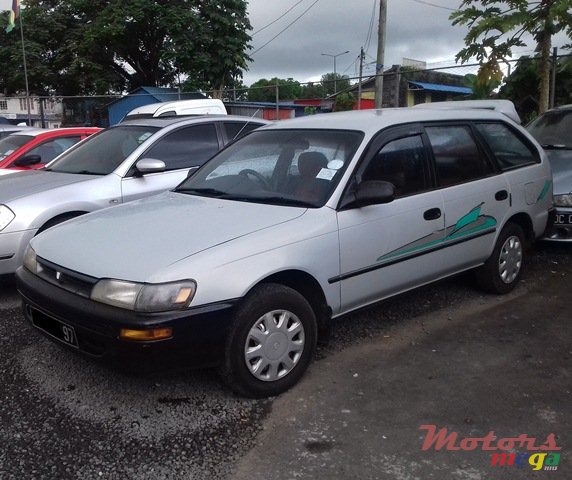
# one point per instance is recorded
(279, 18)
(435, 5)
(284, 29)
(371, 24)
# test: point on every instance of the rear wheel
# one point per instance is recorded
(502, 271)
(271, 342)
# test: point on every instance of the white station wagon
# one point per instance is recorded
(245, 263)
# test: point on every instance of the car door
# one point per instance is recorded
(182, 150)
(476, 195)
(387, 248)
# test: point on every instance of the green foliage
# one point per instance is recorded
(482, 86)
(521, 87)
(333, 83)
(101, 46)
(310, 110)
(344, 101)
(495, 27)
(264, 90)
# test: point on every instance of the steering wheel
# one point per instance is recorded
(258, 176)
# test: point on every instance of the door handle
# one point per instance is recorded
(432, 214)
(501, 195)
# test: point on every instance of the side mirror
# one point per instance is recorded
(373, 192)
(28, 161)
(150, 165)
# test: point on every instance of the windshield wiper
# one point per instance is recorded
(556, 146)
(208, 192)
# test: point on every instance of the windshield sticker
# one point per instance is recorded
(326, 174)
(143, 137)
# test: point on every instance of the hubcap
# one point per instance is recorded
(274, 345)
(510, 259)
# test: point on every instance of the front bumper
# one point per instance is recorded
(199, 334)
(560, 226)
(12, 247)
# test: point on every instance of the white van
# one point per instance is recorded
(202, 106)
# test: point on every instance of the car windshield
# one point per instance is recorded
(12, 143)
(552, 129)
(282, 167)
(103, 152)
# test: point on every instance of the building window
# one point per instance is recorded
(3, 105)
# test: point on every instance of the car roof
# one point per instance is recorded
(55, 132)
(371, 121)
(162, 122)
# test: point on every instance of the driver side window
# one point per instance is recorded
(403, 163)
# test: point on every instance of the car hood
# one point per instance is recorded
(28, 182)
(561, 164)
(136, 240)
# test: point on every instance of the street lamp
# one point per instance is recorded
(334, 57)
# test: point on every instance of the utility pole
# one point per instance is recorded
(380, 53)
(335, 72)
(361, 55)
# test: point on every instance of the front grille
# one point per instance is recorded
(69, 280)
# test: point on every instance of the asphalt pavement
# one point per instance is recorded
(497, 364)
(444, 357)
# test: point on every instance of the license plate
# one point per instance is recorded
(563, 219)
(60, 330)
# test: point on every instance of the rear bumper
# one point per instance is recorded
(199, 334)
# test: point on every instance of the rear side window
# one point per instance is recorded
(187, 147)
(509, 150)
(457, 156)
(235, 130)
(401, 162)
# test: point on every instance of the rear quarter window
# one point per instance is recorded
(509, 150)
(458, 158)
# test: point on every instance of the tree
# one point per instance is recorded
(521, 86)
(497, 26)
(264, 90)
(481, 87)
(334, 82)
(113, 45)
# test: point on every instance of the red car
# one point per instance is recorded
(33, 148)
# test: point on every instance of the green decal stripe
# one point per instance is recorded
(544, 190)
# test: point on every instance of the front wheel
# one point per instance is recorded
(270, 343)
(502, 271)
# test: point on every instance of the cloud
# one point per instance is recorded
(414, 30)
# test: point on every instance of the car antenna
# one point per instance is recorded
(244, 126)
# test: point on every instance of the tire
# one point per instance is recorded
(270, 343)
(502, 271)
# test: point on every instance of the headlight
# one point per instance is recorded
(6, 216)
(144, 297)
(563, 200)
(30, 261)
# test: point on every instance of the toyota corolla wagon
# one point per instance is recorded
(245, 263)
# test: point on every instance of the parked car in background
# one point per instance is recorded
(8, 129)
(244, 264)
(205, 106)
(553, 130)
(33, 148)
(122, 163)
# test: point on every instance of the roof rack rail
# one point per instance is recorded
(506, 107)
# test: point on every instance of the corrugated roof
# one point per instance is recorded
(435, 87)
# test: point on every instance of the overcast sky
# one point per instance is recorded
(416, 29)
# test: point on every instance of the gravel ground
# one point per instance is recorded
(67, 418)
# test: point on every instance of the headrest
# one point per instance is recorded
(310, 163)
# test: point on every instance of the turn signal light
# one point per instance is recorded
(146, 335)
